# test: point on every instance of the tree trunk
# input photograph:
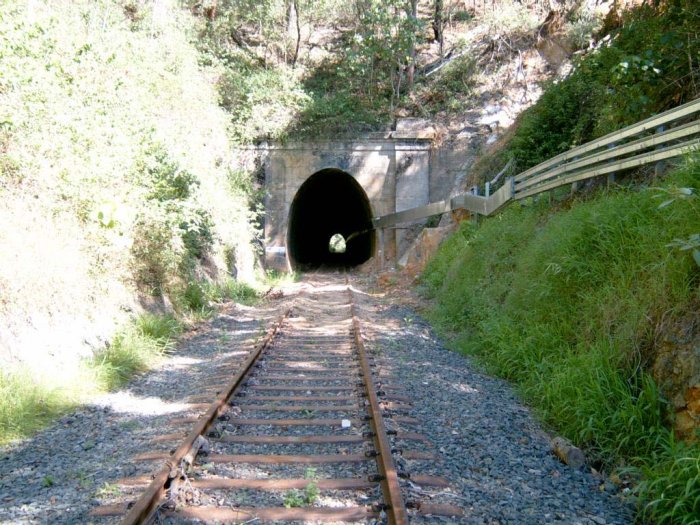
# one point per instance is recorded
(439, 26)
(294, 28)
(211, 10)
(411, 69)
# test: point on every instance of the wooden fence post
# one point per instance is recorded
(612, 177)
(574, 185)
(660, 166)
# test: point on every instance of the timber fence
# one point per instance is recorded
(654, 140)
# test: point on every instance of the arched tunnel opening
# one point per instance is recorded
(328, 204)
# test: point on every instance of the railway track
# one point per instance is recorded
(302, 432)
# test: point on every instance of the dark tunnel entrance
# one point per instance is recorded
(330, 202)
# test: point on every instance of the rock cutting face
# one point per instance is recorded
(329, 203)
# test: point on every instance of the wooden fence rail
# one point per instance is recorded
(664, 136)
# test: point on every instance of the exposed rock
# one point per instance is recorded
(676, 370)
(568, 453)
(414, 128)
(423, 248)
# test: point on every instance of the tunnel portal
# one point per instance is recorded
(329, 202)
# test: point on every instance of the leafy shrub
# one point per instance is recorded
(163, 177)
(196, 231)
(193, 297)
(155, 257)
(564, 116)
(172, 232)
(338, 112)
(262, 101)
(651, 64)
(581, 28)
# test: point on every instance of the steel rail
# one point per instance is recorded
(149, 501)
(168, 482)
(396, 510)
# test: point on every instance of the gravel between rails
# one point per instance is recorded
(60, 474)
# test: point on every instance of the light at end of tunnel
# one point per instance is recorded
(337, 244)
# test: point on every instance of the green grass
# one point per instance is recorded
(28, 403)
(160, 327)
(232, 290)
(274, 279)
(26, 406)
(670, 492)
(569, 305)
(135, 350)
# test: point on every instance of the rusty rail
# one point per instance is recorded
(149, 501)
(396, 510)
(271, 381)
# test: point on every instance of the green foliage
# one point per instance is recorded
(111, 138)
(381, 47)
(269, 96)
(162, 328)
(172, 232)
(261, 101)
(452, 83)
(193, 297)
(569, 305)
(108, 490)
(163, 176)
(669, 492)
(651, 64)
(689, 197)
(563, 117)
(130, 352)
(307, 497)
(196, 231)
(337, 108)
(231, 290)
(27, 405)
(155, 258)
